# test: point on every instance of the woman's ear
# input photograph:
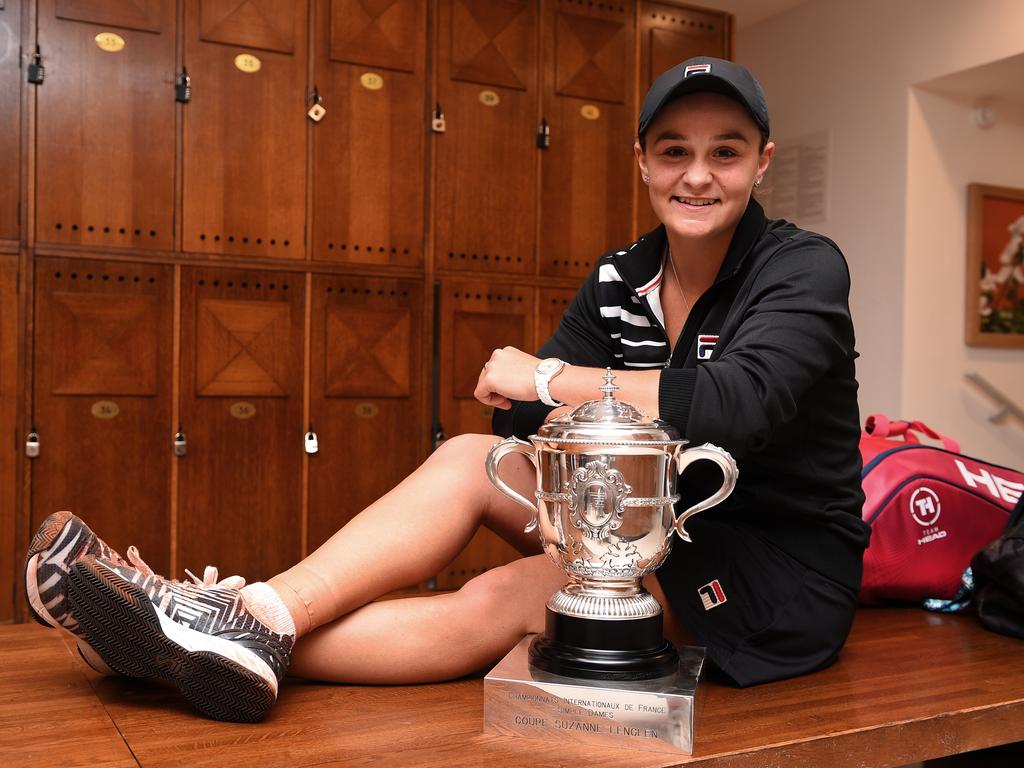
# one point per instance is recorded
(765, 159)
(641, 159)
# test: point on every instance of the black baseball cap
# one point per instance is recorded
(704, 73)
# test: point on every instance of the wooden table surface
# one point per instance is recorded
(909, 686)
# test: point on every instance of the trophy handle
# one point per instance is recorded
(725, 462)
(497, 453)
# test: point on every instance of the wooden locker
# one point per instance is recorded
(477, 317)
(366, 387)
(245, 128)
(669, 35)
(9, 338)
(10, 119)
(587, 172)
(102, 399)
(105, 132)
(486, 170)
(240, 485)
(551, 305)
(369, 147)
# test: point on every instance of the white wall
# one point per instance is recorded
(946, 152)
(850, 67)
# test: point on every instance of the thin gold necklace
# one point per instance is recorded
(675, 274)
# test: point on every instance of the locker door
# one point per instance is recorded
(368, 172)
(103, 350)
(486, 171)
(551, 305)
(8, 421)
(245, 128)
(10, 119)
(105, 124)
(669, 35)
(477, 317)
(366, 394)
(241, 410)
(587, 173)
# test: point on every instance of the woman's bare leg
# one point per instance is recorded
(409, 534)
(425, 639)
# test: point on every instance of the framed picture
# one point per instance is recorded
(995, 266)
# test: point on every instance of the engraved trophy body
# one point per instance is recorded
(606, 490)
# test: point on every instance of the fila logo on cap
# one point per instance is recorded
(705, 346)
(696, 69)
(712, 595)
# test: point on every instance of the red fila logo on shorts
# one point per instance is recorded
(697, 69)
(712, 595)
(705, 346)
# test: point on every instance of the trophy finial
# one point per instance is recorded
(609, 388)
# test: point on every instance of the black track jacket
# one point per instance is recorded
(764, 368)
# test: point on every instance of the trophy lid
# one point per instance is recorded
(608, 420)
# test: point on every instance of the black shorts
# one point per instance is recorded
(762, 614)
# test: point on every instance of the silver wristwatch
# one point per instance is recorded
(545, 371)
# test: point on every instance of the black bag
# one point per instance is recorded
(999, 578)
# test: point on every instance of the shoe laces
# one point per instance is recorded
(210, 574)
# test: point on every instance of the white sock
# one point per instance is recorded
(266, 605)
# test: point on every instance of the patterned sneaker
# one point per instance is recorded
(200, 638)
(62, 540)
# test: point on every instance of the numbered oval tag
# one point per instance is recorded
(366, 410)
(105, 409)
(110, 42)
(590, 112)
(371, 81)
(248, 63)
(489, 98)
(242, 410)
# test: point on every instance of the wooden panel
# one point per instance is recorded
(487, 161)
(476, 318)
(369, 148)
(10, 119)
(588, 101)
(105, 125)
(103, 399)
(241, 410)
(245, 131)
(366, 387)
(9, 337)
(669, 35)
(551, 305)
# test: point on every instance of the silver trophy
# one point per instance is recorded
(606, 490)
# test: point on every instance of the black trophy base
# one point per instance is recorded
(603, 649)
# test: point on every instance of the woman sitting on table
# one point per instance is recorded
(732, 327)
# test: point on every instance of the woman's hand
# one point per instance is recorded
(507, 376)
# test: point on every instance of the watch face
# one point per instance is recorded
(546, 366)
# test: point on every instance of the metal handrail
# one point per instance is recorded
(1007, 407)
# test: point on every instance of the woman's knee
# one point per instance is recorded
(514, 594)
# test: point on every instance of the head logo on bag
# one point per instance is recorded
(925, 507)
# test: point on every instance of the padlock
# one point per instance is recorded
(318, 110)
(32, 445)
(180, 444)
(36, 71)
(312, 445)
(437, 123)
(543, 135)
(183, 87)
